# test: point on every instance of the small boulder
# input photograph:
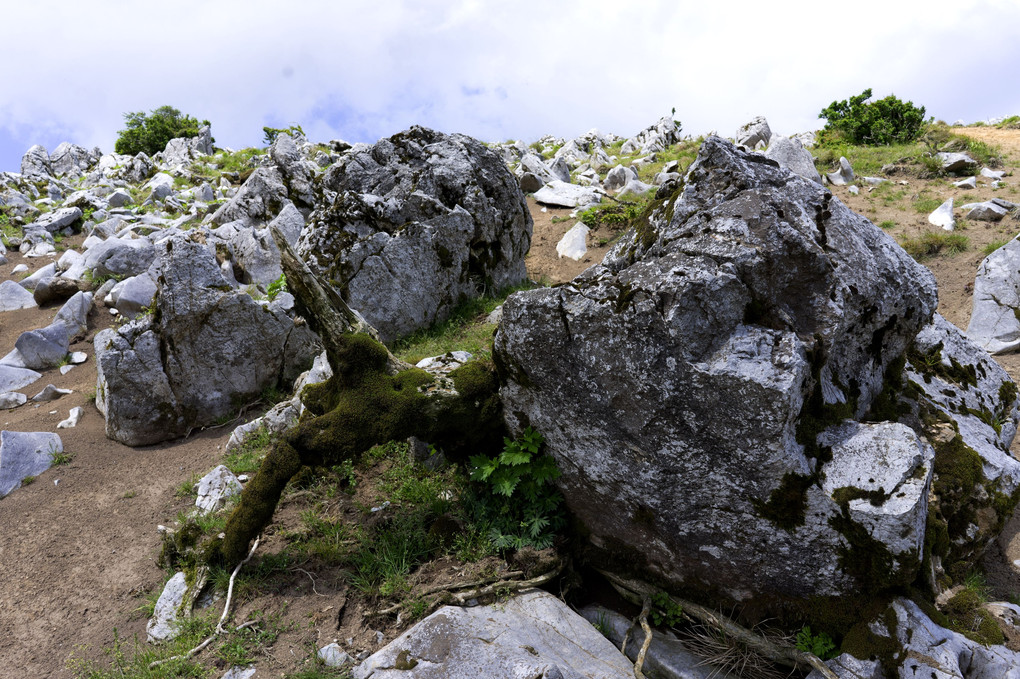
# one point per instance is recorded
(25, 454)
(14, 296)
(55, 289)
(791, 154)
(968, 183)
(165, 622)
(988, 211)
(215, 489)
(956, 162)
(573, 244)
(753, 133)
(843, 176)
(560, 194)
(943, 216)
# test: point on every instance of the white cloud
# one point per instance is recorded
(360, 70)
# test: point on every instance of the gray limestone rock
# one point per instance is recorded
(693, 353)
(530, 182)
(635, 187)
(792, 155)
(992, 174)
(215, 489)
(297, 172)
(618, 177)
(934, 651)
(120, 257)
(255, 250)
(71, 160)
(50, 393)
(206, 347)
(165, 622)
(58, 220)
(16, 377)
(968, 183)
(993, 320)
(843, 176)
(415, 224)
(42, 273)
(25, 454)
(943, 216)
(987, 211)
(257, 202)
(134, 295)
(334, 656)
(56, 289)
(35, 164)
(656, 137)
(12, 399)
(753, 133)
(532, 635)
(14, 296)
(559, 194)
(120, 198)
(956, 162)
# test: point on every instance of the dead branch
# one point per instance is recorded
(639, 663)
(776, 652)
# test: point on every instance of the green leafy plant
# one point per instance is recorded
(276, 287)
(818, 644)
(933, 243)
(665, 611)
(882, 122)
(149, 133)
(521, 506)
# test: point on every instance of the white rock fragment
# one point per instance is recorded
(215, 489)
(943, 216)
(72, 420)
(573, 243)
(12, 400)
(334, 656)
(165, 623)
(50, 393)
(968, 183)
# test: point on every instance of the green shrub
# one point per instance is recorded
(521, 506)
(879, 123)
(150, 133)
(273, 132)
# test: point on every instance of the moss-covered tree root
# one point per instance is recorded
(371, 399)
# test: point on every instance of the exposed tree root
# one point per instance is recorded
(450, 596)
(646, 607)
(783, 654)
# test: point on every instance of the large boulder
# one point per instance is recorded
(35, 164)
(257, 202)
(205, 348)
(71, 160)
(297, 172)
(415, 224)
(698, 385)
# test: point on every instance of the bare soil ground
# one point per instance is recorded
(78, 546)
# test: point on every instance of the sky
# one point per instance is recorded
(362, 70)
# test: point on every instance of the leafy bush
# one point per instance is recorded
(883, 122)
(150, 133)
(522, 507)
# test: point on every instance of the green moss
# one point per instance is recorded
(846, 494)
(787, 504)
(958, 470)
(359, 407)
(864, 644)
(889, 404)
(965, 615)
(929, 364)
(1007, 395)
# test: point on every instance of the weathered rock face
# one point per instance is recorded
(994, 323)
(682, 384)
(205, 348)
(419, 222)
(532, 635)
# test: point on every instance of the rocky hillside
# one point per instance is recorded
(742, 397)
